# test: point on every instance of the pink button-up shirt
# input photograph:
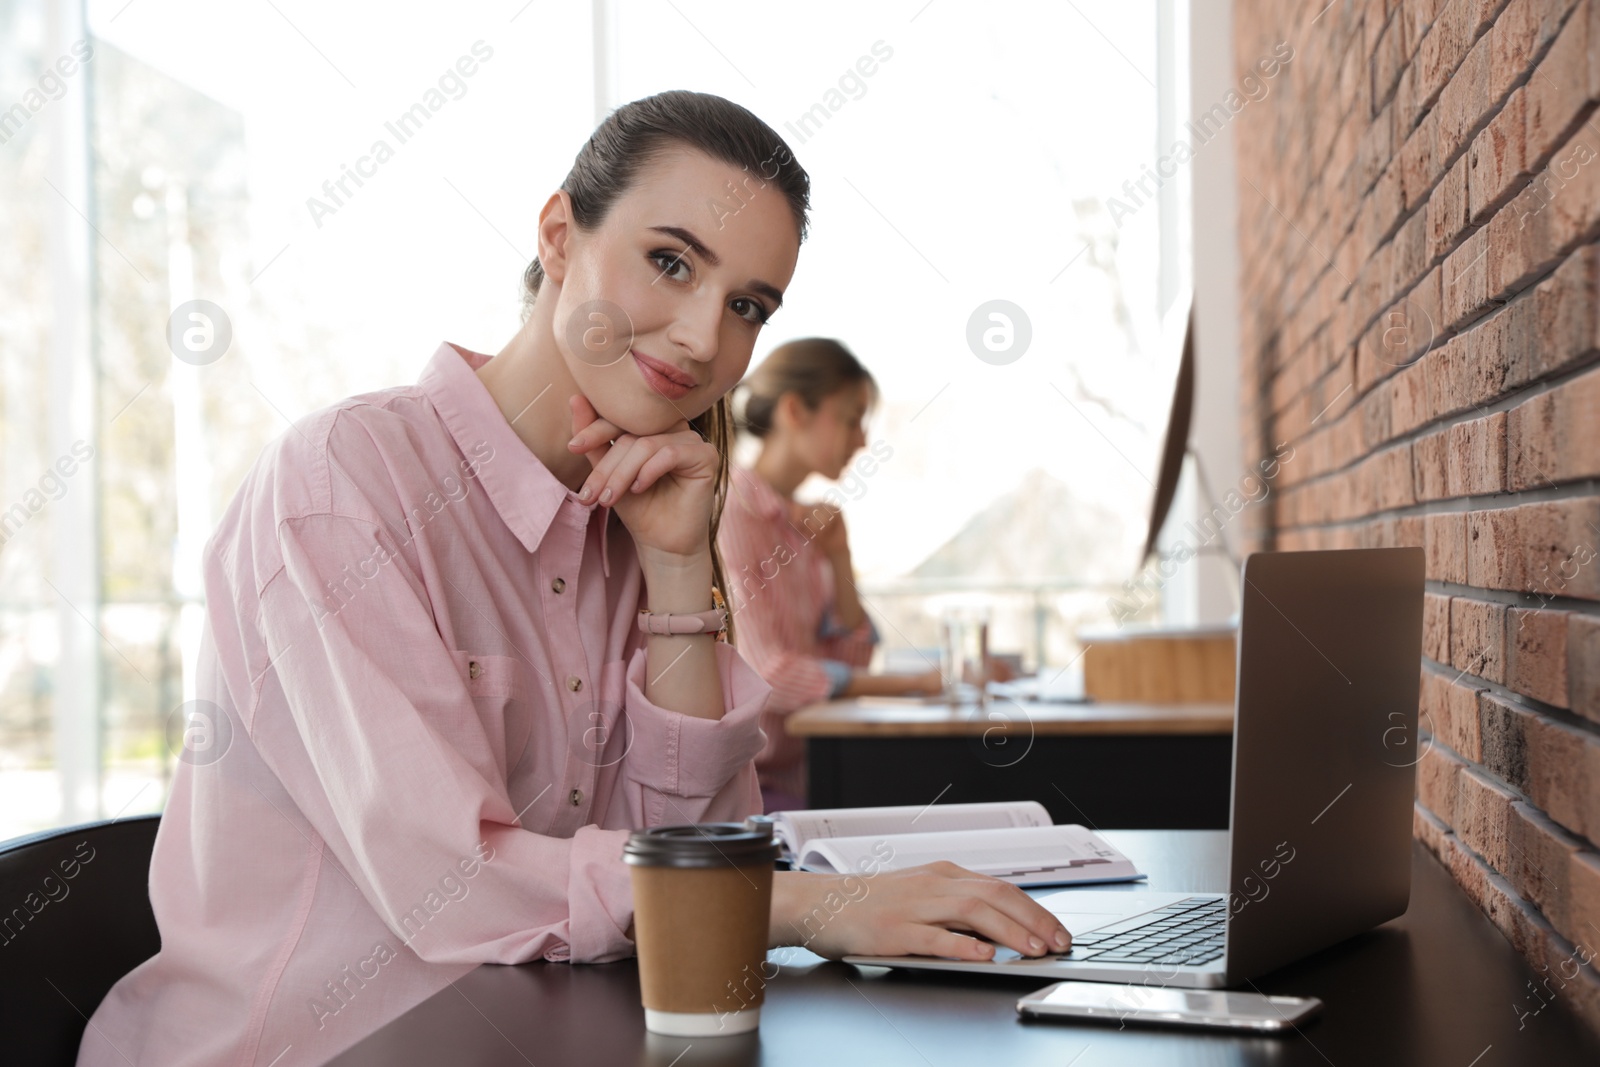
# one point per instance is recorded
(430, 740)
(781, 591)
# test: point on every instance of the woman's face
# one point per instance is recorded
(659, 306)
(829, 437)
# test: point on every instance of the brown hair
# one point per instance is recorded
(634, 136)
(813, 368)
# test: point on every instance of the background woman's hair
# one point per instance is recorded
(619, 151)
(813, 368)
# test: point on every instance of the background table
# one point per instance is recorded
(1437, 987)
(1125, 766)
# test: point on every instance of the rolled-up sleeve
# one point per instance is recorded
(698, 770)
(699, 758)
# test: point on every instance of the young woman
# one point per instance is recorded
(427, 633)
(793, 590)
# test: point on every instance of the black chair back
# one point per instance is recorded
(75, 916)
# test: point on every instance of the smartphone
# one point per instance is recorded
(1108, 1003)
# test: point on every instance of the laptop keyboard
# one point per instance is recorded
(1187, 932)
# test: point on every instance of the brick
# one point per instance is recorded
(1538, 863)
(1417, 17)
(1527, 932)
(1436, 627)
(1583, 898)
(1428, 466)
(1391, 342)
(1495, 559)
(1478, 639)
(1374, 150)
(1391, 479)
(1464, 286)
(1408, 109)
(1388, 58)
(1420, 168)
(1480, 15)
(1426, 828)
(1496, 163)
(1427, 310)
(1464, 101)
(1374, 21)
(1565, 316)
(1503, 732)
(1495, 348)
(1531, 442)
(1408, 531)
(1555, 437)
(1449, 212)
(1408, 400)
(1433, 694)
(1545, 548)
(1443, 372)
(1464, 733)
(1436, 782)
(1564, 775)
(1476, 456)
(1583, 665)
(1374, 412)
(1387, 209)
(1441, 51)
(1411, 257)
(1518, 242)
(1556, 545)
(1445, 547)
(1536, 654)
(1523, 31)
(1560, 87)
(1567, 193)
(1354, 87)
(1483, 817)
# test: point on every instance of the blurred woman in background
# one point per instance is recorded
(792, 589)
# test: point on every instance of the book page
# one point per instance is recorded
(797, 829)
(1025, 855)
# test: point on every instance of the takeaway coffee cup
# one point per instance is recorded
(702, 900)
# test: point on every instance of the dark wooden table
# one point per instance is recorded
(1437, 987)
(1112, 766)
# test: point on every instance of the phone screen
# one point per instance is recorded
(1141, 1000)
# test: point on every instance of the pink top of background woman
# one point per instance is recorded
(793, 589)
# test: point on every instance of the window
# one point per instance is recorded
(963, 155)
(339, 194)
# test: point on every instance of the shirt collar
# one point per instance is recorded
(521, 488)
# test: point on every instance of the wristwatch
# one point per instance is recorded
(699, 622)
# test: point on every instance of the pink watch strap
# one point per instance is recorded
(700, 622)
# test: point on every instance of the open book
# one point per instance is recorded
(1013, 840)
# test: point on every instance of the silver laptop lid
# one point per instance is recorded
(1325, 749)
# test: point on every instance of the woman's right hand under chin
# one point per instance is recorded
(661, 485)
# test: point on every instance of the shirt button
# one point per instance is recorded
(574, 683)
(577, 797)
(559, 585)
(473, 668)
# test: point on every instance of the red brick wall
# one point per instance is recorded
(1419, 204)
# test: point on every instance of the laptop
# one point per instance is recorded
(1325, 749)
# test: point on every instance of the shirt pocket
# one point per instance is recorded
(502, 700)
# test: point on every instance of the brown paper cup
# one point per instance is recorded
(702, 901)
